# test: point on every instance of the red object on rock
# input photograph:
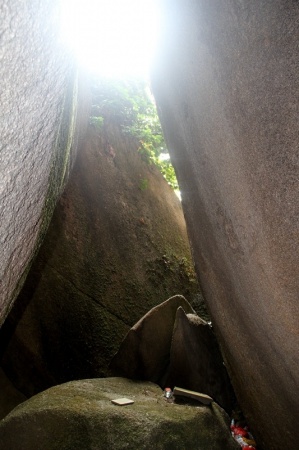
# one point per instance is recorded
(241, 435)
(239, 431)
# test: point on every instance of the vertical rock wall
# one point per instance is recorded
(226, 83)
(38, 115)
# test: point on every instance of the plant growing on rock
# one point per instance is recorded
(130, 104)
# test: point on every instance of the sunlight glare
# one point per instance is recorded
(112, 38)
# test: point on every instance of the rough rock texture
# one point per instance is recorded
(227, 88)
(144, 353)
(196, 362)
(79, 415)
(114, 249)
(38, 115)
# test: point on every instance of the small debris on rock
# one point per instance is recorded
(168, 392)
(242, 436)
(203, 398)
(122, 401)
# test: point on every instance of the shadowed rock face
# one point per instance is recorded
(38, 115)
(227, 88)
(10, 397)
(196, 362)
(80, 414)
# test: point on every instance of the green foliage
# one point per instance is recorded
(97, 121)
(143, 184)
(129, 104)
(180, 265)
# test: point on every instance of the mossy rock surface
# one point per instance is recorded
(80, 415)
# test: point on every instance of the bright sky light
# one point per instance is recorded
(113, 38)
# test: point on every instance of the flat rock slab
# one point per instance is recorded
(80, 415)
(144, 352)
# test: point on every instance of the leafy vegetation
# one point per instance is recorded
(130, 105)
(143, 184)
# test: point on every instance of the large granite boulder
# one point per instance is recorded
(113, 250)
(172, 346)
(144, 352)
(79, 415)
(227, 88)
(39, 99)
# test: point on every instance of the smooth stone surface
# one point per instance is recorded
(38, 119)
(227, 89)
